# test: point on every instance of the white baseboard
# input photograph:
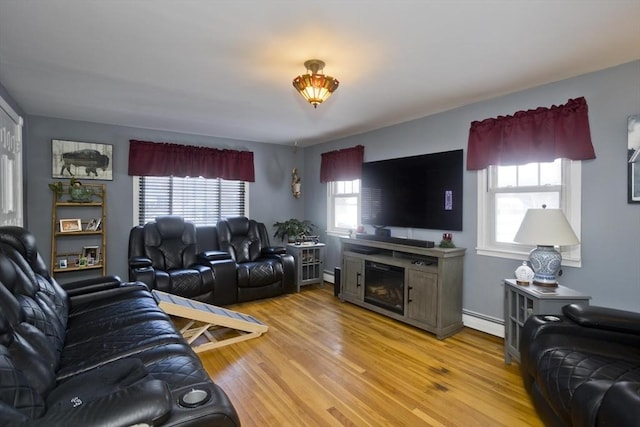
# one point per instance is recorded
(470, 319)
(483, 323)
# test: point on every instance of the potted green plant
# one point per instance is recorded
(292, 229)
(76, 190)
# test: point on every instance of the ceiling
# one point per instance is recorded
(224, 68)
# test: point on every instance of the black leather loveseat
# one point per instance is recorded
(221, 265)
(163, 254)
(94, 353)
(583, 368)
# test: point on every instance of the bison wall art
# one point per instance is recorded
(84, 160)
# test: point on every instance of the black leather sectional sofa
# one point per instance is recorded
(220, 265)
(583, 368)
(94, 353)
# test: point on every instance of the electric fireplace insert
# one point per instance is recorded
(384, 286)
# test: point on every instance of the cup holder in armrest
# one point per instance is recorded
(194, 398)
(551, 318)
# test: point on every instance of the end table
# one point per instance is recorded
(520, 302)
(309, 262)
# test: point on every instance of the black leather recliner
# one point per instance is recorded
(96, 352)
(583, 368)
(163, 254)
(263, 270)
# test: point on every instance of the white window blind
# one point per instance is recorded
(199, 200)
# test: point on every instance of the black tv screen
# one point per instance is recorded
(418, 192)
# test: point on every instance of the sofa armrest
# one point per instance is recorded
(91, 285)
(120, 392)
(225, 281)
(289, 271)
(603, 318)
(139, 262)
(273, 250)
(208, 256)
(542, 331)
(147, 402)
(141, 269)
(98, 295)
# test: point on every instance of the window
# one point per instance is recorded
(199, 200)
(343, 205)
(506, 192)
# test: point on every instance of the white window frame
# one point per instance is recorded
(331, 197)
(570, 203)
(11, 167)
(136, 199)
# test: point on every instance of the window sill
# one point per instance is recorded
(333, 233)
(497, 253)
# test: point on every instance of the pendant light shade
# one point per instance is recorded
(314, 86)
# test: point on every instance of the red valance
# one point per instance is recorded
(342, 165)
(165, 159)
(540, 135)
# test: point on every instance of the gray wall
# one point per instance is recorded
(270, 196)
(610, 227)
(610, 270)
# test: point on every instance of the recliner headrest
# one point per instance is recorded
(170, 226)
(238, 225)
(24, 242)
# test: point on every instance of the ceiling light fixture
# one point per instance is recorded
(314, 86)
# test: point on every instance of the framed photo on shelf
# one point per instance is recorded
(62, 263)
(82, 262)
(93, 224)
(86, 159)
(91, 253)
(70, 225)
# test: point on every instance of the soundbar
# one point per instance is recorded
(397, 240)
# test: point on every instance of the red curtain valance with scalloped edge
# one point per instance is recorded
(342, 165)
(165, 159)
(540, 135)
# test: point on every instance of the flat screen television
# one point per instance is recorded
(422, 191)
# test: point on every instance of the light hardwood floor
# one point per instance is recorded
(324, 362)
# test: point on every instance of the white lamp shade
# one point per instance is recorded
(546, 227)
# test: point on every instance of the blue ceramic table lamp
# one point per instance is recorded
(545, 228)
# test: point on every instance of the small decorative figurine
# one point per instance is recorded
(295, 184)
(524, 274)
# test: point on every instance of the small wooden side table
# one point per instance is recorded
(309, 262)
(520, 302)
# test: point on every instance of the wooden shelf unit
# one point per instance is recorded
(431, 282)
(64, 244)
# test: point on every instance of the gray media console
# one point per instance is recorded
(415, 285)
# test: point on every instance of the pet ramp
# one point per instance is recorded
(204, 319)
